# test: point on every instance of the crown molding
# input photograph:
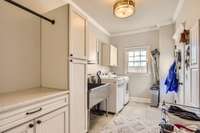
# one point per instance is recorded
(165, 23)
(178, 9)
(90, 19)
(142, 30)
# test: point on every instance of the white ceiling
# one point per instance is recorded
(149, 13)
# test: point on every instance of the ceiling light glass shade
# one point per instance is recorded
(124, 8)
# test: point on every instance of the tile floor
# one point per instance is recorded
(135, 118)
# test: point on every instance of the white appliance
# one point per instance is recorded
(126, 90)
(119, 95)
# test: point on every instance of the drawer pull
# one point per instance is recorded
(39, 122)
(31, 125)
(33, 112)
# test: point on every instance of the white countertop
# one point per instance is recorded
(21, 98)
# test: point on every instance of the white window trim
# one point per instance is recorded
(126, 59)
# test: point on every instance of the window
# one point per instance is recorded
(137, 60)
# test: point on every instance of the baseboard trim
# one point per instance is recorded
(140, 100)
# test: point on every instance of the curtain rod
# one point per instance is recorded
(30, 11)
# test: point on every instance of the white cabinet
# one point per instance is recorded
(24, 128)
(77, 33)
(36, 111)
(113, 55)
(105, 54)
(77, 72)
(63, 54)
(78, 96)
(55, 122)
(109, 55)
(92, 47)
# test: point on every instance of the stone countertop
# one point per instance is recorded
(17, 99)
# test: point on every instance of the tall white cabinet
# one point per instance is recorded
(64, 61)
(77, 72)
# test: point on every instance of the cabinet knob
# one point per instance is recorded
(39, 122)
(31, 125)
(71, 54)
(71, 60)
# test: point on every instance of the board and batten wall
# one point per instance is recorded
(19, 49)
(139, 84)
(93, 68)
(189, 15)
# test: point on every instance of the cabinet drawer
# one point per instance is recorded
(19, 116)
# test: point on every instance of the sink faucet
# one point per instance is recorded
(99, 78)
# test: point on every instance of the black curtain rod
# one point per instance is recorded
(30, 11)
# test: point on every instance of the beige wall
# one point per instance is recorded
(189, 13)
(166, 47)
(19, 49)
(139, 83)
(92, 68)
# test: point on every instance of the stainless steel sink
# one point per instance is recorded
(97, 93)
(93, 86)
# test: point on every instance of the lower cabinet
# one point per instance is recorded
(54, 122)
(24, 128)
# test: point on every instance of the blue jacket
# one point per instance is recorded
(171, 82)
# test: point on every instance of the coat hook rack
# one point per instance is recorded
(30, 11)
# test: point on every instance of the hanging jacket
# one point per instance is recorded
(171, 82)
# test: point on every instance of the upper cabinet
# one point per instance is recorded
(108, 55)
(77, 34)
(105, 54)
(113, 55)
(92, 51)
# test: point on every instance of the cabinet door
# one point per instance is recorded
(105, 55)
(25, 128)
(55, 122)
(113, 55)
(92, 47)
(78, 96)
(77, 35)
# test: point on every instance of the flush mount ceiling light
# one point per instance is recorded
(124, 8)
